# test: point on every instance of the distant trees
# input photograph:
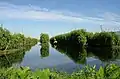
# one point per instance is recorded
(104, 39)
(76, 37)
(78, 44)
(14, 41)
(44, 38)
(81, 38)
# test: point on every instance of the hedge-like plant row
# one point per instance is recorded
(81, 38)
(14, 41)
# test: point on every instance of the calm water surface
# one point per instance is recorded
(53, 59)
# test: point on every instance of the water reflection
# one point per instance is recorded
(44, 51)
(105, 53)
(79, 54)
(10, 57)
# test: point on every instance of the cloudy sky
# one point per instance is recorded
(59, 16)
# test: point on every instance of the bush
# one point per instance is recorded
(76, 37)
(44, 38)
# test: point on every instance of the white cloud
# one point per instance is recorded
(29, 12)
(32, 12)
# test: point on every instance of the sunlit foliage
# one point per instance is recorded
(44, 38)
(111, 71)
(14, 41)
(81, 38)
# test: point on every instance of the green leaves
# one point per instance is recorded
(100, 73)
(111, 71)
(44, 38)
(14, 41)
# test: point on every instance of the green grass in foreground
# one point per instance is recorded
(109, 72)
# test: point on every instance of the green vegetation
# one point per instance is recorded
(104, 39)
(14, 41)
(78, 44)
(13, 47)
(111, 71)
(44, 51)
(81, 38)
(44, 38)
(76, 37)
(8, 58)
(103, 45)
(79, 55)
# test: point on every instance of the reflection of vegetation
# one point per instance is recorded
(44, 40)
(13, 47)
(111, 71)
(44, 49)
(105, 53)
(9, 59)
(78, 55)
(100, 44)
(13, 57)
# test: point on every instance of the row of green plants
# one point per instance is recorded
(10, 40)
(44, 40)
(82, 37)
(111, 71)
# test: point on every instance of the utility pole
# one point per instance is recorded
(101, 28)
(1, 25)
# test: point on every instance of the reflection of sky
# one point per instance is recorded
(58, 16)
(33, 59)
(56, 60)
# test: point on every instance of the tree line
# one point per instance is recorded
(9, 40)
(82, 37)
(44, 40)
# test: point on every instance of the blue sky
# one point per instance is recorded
(59, 16)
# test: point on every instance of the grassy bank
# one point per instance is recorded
(111, 71)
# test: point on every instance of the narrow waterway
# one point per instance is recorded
(53, 59)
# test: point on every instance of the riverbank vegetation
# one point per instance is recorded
(44, 40)
(77, 45)
(82, 38)
(111, 71)
(9, 40)
(13, 47)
